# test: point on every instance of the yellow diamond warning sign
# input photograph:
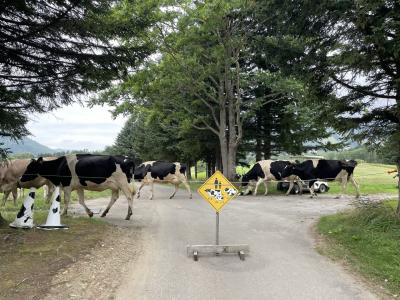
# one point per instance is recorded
(217, 190)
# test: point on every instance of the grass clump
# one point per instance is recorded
(368, 239)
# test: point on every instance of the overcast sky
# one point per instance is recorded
(76, 128)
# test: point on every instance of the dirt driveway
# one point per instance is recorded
(282, 264)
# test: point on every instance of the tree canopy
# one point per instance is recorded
(52, 51)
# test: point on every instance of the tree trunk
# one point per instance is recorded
(189, 171)
(258, 149)
(258, 137)
(218, 161)
(398, 187)
(267, 148)
(397, 143)
(209, 168)
(232, 163)
(267, 134)
(195, 170)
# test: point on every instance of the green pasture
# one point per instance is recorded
(372, 179)
(367, 239)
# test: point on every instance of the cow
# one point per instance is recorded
(86, 172)
(264, 171)
(11, 171)
(163, 172)
(315, 169)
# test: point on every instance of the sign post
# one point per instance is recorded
(217, 191)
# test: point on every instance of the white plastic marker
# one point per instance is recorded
(53, 218)
(24, 218)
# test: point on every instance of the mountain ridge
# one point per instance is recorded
(25, 145)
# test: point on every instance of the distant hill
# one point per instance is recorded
(26, 145)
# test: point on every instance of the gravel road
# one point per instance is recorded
(282, 263)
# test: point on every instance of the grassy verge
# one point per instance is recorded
(29, 258)
(368, 239)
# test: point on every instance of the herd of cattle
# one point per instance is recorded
(100, 172)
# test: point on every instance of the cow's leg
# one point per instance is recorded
(187, 186)
(176, 189)
(355, 184)
(15, 195)
(301, 184)
(114, 197)
(261, 180)
(128, 194)
(248, 190)
(81, 197)
(142, 184)
(311, 186)
(291, 185)
(151, 190)
(5, 197)
(49, 191)
(67, 197)
(266, 187)
(312, 192)
(343, 183)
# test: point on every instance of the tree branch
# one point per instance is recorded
(361, 90)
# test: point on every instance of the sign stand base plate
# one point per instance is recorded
(196, 250)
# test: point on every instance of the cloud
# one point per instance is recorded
(76, 127)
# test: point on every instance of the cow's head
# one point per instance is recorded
(32, 170)
(141, 171)
(248, 184)
(128, 167)
(245, 180)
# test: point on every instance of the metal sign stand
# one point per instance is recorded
(217, 191)
(217, 249)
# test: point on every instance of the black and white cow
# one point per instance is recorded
(312, 170)
(86, 172)
(264, 171)
(163, 172)
(11, 171)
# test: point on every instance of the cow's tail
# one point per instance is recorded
(349, 166)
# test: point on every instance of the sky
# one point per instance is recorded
(76, 127)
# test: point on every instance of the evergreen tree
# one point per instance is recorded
(352, 55)
(54, 50)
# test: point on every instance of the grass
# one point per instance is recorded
(368, 239)
(29, 258)
(372, 179)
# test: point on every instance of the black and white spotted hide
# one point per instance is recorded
(53, 218)
(24, 218)
(230, 191)
(215, 194)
